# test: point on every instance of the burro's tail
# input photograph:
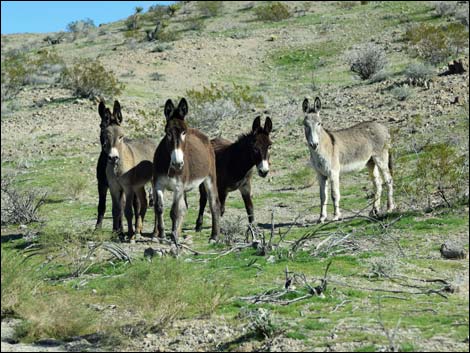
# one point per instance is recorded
(390, 162)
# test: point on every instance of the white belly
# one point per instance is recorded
(353, 166)
(175, 184)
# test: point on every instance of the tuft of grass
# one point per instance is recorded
(402, 93)
(303, 177)
(19, 282)
(77, 186)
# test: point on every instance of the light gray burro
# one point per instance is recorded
(347, 150)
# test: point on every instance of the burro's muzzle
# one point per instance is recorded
(177, 159)
(263, 168)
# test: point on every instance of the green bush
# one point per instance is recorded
(88, 78)
(439, 177)
(14, 72)
(275, 11)
(167, 36)
(402, 93)
(239, 94)
(436, 44)
(209, 8)
(418, 74)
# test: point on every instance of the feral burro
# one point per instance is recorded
(235, 162)
(129, 168)
(347, 150)
(183, 160)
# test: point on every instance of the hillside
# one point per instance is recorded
(388, 286)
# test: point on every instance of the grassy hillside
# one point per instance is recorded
(388, 288)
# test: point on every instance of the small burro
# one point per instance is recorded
(184, 159)
(346, 150)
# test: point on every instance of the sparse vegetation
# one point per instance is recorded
(20, 207)
(445, 8)
(275, 11)
(209, 8)
(440, 177)
(366, 60)
(419, 73)
(88, 79)
(436, 44)
(402, 93)
(80, 27)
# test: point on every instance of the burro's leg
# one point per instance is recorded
(178, 210)
(323, 182)
(210, 184)
(383, 164)
(129, 213)
(335, 195)
(374, 174)
(202, 206)
(245, 190)
(159, 228)
(142, 197)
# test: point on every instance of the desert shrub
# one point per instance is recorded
(19, 207)
(14, 72)
(276, 11)
(212, 105)
(261, 322)
(379, 76)
(88, 78)
(80, 27)
(445, 8)
(436, 44)
(462, 16)
(195, 24)
(401, 93)
(419, 73)
(156, 76)
(439, 177)
(366, 60)
(133, 21)
(161, 47)
(174, 8)
(233, 230)
(457, 37)
(209, 8)
(167, 36)
(241, 95)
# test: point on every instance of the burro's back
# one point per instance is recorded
(359, 143)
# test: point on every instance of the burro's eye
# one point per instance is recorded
(269, 147)
(121, 137)
(183, 133)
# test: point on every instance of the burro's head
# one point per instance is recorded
(112, 134)
(175, 132)
(312, 122)
(261, 144)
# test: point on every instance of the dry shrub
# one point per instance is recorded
(366, 60)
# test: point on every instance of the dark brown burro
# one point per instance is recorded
(103, 186)
(235, 162)
(129, 167)
(183, 160)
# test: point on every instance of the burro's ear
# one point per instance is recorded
(169, 108)
(305, 105)
(183, 108)
(256, 124)
(117, 112)
(102, 110)
(268, 125)
(317, 105)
